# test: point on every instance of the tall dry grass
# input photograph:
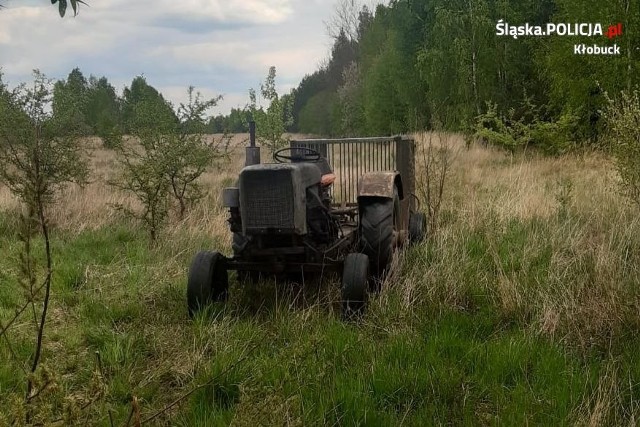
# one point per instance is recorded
(92, 207)
(574, 200)
(551, 245)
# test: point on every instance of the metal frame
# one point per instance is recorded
(351, 158)
(356, 156)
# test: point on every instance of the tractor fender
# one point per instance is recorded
(380, 184)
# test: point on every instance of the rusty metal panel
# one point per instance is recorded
(377, 184)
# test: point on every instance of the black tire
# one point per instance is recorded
(208, 281)
(355, 288)
(378, 229)
(417, 227)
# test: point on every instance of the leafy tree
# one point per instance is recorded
(166, 158)
(188, 154)
(217, 124)
(309, 86)
(321, 114)
(456, 64)
(139, 98)
(385, 108)
(143, 165)
(343, 53)
(39, 155)
(235, 122)
(70, 99)
(346, 27)
(351, 102)
(577, 83)
(103, 111)
(427, 63)
(144, 162)
(272, 123)
(143, 175)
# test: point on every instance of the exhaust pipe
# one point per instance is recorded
(252, 152)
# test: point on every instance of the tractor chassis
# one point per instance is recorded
(295, 259)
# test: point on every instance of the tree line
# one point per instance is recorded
(94, 107)
(421, 64)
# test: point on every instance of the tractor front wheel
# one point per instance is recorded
(355, 276)
(208, 281)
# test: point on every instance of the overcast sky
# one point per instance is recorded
(221, 47)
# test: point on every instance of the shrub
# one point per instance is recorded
(167, 161)
(622, 118)
(511, 131)
(555, 137)
(495, 129)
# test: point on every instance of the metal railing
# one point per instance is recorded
(350, 158)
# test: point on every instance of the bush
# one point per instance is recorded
(167, 161)
(512, 132)
(555, 137)
(622, 118)
(498, 130)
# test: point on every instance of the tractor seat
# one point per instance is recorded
(327, 179)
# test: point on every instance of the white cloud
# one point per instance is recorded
(221, 47)
(258, 11)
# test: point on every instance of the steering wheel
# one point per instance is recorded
(300, 154)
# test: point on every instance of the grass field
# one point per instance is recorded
(523, 308)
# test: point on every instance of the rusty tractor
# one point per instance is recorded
(322, 205)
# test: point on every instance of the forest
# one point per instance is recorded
(424, 64)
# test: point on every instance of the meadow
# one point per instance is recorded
(522, 307)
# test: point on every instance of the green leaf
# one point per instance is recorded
(54, 1)
(74, 5)
(62, 7)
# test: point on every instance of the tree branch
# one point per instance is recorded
(23, 308)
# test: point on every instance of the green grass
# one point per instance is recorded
(494, 321)
(289, 358)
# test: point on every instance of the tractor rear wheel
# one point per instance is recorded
(355, 275)
(379, 227)
(417, 227)
(208, 281)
